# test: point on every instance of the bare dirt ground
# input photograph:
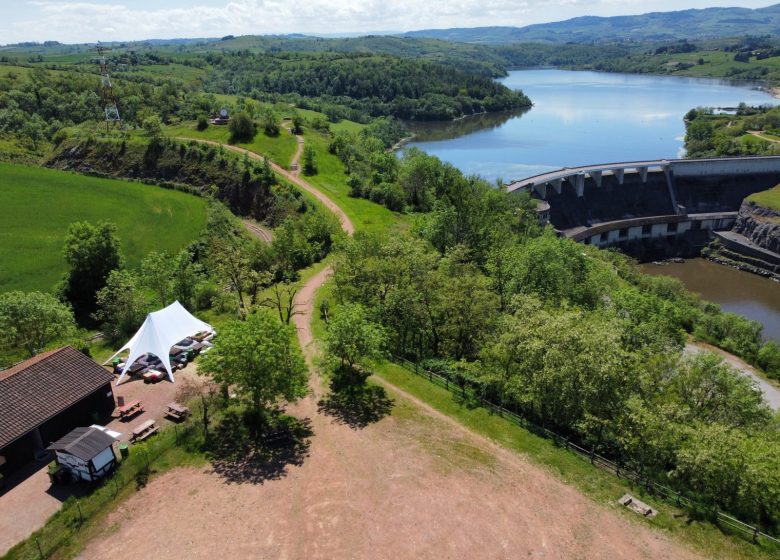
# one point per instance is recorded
(409, 486)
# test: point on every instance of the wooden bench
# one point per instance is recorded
(143, 431)
(177, 411)
(130, 409)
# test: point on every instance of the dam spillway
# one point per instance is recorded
(650, 207)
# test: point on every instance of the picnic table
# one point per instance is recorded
(177, 411)
(143, 430)
(130, 409)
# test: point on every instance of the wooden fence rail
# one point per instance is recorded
(594, 458)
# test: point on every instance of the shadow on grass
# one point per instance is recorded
(241, 454)
(357, 406)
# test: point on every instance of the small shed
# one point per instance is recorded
(87, 453)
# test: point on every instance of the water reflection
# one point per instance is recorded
(579, 118)
(446, 130)
(753, 296)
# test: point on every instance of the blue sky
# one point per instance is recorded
(91, 20)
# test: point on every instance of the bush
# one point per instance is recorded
(769, 359)
(203, 123)
(242, 128)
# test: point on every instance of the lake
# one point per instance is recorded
(579, 118)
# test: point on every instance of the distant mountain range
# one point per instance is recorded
(655, 26)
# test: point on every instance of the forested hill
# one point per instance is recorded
(471, 58)
(656, 26)
(365, 84)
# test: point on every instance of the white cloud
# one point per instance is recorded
(86, 21)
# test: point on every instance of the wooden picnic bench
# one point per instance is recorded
(143, 431)
(130, 409)
(177, 411)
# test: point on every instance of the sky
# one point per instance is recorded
(82, 21)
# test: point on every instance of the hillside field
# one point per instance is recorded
(38, 205)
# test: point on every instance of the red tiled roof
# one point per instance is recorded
(37, 389)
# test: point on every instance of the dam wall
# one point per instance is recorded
(650, 208)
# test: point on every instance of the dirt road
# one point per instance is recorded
(263, 234)
(346, 223)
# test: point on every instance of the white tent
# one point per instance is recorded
(160, 331)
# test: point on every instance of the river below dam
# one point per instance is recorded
(750, 295)
(581, 118)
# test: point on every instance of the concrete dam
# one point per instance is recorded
(650, 209)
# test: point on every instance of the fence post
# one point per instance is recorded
(592, 454)
(40, 550)
(81, 515)
(176, 433)
(116, 486)
(755, 535)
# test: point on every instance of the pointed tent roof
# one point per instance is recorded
(160, 331)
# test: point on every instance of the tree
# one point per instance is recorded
(121, 306)
(91, 252)
(157, 275)
(269, 122)
(185, 278)
(297, 123)
(352, 337)
(259, 359)
(309, 161)
(283, 301)
(33, 320)
(152, 126)
(203, 123)
(242, 128)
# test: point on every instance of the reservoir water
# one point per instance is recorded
(580, 118)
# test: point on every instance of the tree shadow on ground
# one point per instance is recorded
(241, 454)
(357, 406)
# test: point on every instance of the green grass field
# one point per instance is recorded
(768, 199)
(331, 180)
(278, 148)
(39, 204)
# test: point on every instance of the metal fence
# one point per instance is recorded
(63, 526)
(656, 488)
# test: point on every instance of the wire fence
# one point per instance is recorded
(591, 456)
(62, 528)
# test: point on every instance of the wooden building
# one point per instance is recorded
(86, 453)
(45, 397)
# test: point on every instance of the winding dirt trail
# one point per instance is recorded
(414, 484)
(346, 223)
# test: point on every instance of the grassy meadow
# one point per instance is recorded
(39, 204)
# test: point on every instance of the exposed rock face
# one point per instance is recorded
(759, 224)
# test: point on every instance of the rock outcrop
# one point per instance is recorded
(759, 224)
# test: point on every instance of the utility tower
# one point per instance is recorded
(107, 92)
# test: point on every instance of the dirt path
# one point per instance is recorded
(263, 234)
(346, 223)
(760, 134)
(295, 167)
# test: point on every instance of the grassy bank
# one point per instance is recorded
(39, 204)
